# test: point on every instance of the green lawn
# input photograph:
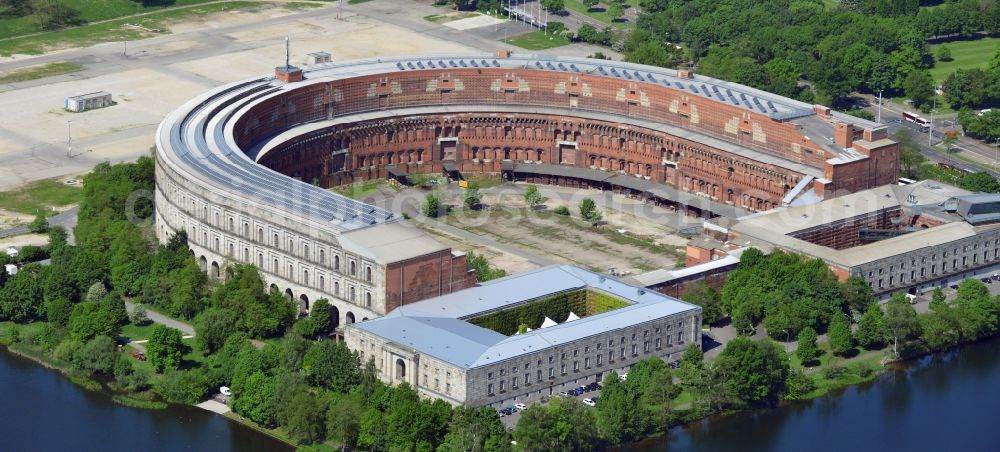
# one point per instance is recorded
(114, 30)
(90, 11)
(965, 55)
(600, 14)
(40, 196)
(536, 40)
(484, 180)
(359, 190)
(40, 71)
(137, 333)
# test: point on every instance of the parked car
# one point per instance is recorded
(583, 389)
(675, 364)
(589, 402)
(544, 399)
(563, 394)
(623, 377)
(224, 390)
(501, 413)
(520, 406)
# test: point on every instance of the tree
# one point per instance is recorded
(553, 6)
(331, 365)
(93, 318)
(96, 291)
(618, 420)
(871, 328)
(97, 356)
(938, 330)
(910, 158)
(22, 296)
(980, 182)
(39, 225)
(342, 420)
(254, 399)
(839, 335)
(214, 326)
(431, 206)
(900, 320)
(937, 300)
(476, 430)
(139, 316)
(165, 348)
(701, 294)
(531, 196)
(303, 416)
(798, 385)
(471, 197)
(589, 211)
(807, 350)
(563, 425)
(742, 322)
(53, 14)
(482, 268)
(919, 87)
(616, 9)
(943, 53)
(321, 317)
(756, 370)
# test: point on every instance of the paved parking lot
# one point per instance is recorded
(511, 420)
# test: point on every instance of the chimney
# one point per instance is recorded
(843, 135)
(822, 111)
(876, 134)
(503, 53)
(682, 73)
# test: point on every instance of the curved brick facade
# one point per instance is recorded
(709, 139)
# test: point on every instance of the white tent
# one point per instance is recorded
(571, 317)
(548, 322)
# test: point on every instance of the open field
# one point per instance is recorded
(537, 40)
(90, 11)
(41, 196)
(449, 17)
(965, 55)
(41, 71)
(600, 12)
(120, 29)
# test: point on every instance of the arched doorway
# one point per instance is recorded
(289, 295)
(335, 316)
(203, 263)
(400, 369)
(215, 270)
(273, 288)
(303, 303)
(349, 319)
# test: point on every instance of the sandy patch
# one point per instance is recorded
(24, 240)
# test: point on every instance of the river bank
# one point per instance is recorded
(46, 411)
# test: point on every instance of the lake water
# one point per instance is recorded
(41, 410)
(944, 402)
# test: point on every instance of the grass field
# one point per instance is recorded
(599, 14)
(40, 196)
(444, 18)
(113, 30)
(90, 11)
(965, 55)
(360, 190)
(536, 40)
(41, 71)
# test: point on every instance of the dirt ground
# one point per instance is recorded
(24, 240)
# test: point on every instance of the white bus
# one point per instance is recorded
(924, 124)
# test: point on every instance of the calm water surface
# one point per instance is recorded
(945, 402)
(40, 410)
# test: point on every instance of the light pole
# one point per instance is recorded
(930, 133)
(880, 106)
(69, 138)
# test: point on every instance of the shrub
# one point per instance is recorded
(139, 316)
(39, 225)
(96, 291)
(561, 210)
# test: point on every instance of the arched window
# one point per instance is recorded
(336, 287)
(336, 263)
(305, 277)
(291, 272)
(322, 256)
(368, 299)
(354, 269)
(322, 283)
(232, 249)
(246, 254)
(291, 246)
(275, 268)
(368, 274)
(231, 225)
(274, 242)
(353, 297)
(260, 235)
(305, 251)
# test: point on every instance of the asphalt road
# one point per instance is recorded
(65, 219)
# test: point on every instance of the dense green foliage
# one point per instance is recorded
(589, 211)
(165, 348)
(786, 293)
(482, 268)
(701, 294)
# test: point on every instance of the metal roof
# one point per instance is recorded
(980, 208)
(437, 327)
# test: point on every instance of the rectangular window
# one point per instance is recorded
(645, 346)
(635, 349)
(562, 369)
(586, 362)
(576, 366)
(513, 382)
(657, 342)
(599, 359)
(527, 378)
(540, 374)
(489, 389)
(502, 385)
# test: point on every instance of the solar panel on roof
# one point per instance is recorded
(693, 88)
(715, 89)
(679, 85)
(761, 108)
